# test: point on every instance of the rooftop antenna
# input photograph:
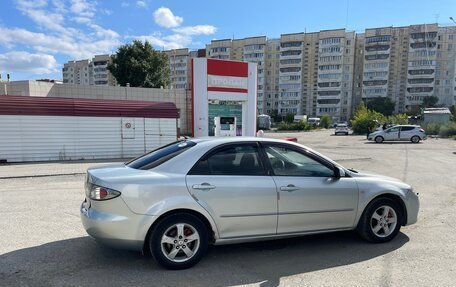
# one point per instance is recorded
(437, 16)
(346, 15)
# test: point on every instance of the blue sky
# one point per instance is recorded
(38, 36)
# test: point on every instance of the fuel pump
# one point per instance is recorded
(225, 126)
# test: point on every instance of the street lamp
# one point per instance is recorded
(452, 20)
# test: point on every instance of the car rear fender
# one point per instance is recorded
(181, 204)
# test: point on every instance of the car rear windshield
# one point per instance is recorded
(157, 157)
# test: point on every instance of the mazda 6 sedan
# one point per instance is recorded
(175, 201)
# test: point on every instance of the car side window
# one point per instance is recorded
(393, 130)
(405, 129)
(231, 160)
(289, 162)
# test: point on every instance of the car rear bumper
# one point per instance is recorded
(122, 229)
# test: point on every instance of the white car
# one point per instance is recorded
(398, 133)
(341, 129)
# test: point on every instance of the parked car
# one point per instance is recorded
(341, 129)
(411, 133)
(176, 200)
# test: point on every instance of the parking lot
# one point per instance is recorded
(43, 243)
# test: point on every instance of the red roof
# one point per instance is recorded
(49, 106)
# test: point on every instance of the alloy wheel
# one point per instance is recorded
(383, 221)
(180, 242)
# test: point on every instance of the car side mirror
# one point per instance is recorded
(339, 172)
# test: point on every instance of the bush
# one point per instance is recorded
(299, 126)
(448, 130)
(289, 118)
(432, 128)
(400, 119)
(443, 130)
(365, 120)
(325, 121)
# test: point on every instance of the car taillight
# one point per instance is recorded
(421, 130)
(102, 193)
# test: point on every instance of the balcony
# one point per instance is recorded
(377, 48)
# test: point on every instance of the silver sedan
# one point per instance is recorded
(178, 199)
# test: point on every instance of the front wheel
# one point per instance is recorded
(379, 139)
(380, 221)
(179, 241)
(415, 139)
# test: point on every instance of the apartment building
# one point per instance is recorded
(290, 70)
(271, 78)
(336, 56)
(409, 63)
(445, 74)
(255, 50)
(385, 64)
(179, 68)
(88, 72)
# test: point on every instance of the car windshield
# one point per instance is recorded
(158, 156)
(341, 125)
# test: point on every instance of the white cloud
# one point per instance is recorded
(124, 4)
(57, 35)
(164, 17)
(76, 48)
(26, 62)
(196, 30)
(141, 4)
(174, 41)
(83, 8)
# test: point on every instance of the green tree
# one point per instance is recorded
(289, 118)
(140, 65)
(274, 114)
(430, 101)
(385, 106)
(453, 112)
(365, 120)
(325, 121)
(400, 119)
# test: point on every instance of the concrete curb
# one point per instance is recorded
(41, 175)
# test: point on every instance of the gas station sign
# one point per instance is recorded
(221, 81)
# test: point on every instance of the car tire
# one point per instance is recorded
(381, 221)
(415, 139)
(379, 139)
(179, 241)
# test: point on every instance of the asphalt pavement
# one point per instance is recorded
(42, 242)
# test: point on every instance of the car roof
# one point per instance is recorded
(220, 140)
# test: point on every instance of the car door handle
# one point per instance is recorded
(289, 188)
(203, 186)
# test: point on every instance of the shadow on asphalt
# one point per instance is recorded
(393, 143)
(83, 262)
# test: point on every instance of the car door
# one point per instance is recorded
(231, 183)
(406, 133)
(311, 197)
(392, 134)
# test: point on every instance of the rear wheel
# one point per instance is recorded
(179, 241)
(379, 139)
(380, 221)
(415, 139)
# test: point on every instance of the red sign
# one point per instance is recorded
(227, 76)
